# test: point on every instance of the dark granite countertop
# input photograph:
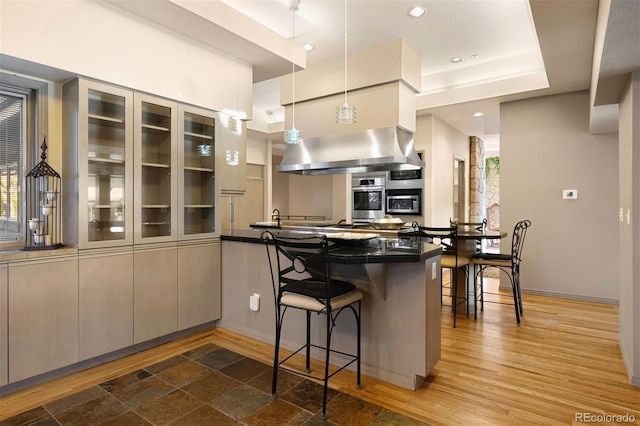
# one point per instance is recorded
(384, 249)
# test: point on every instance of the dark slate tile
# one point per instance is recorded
(219, 359)
(346, 410)
(278, 412)
(388, 417)
(201, 351)
(241, 402)
(125, 381)
(205, 416)
(317, 421)
(92, 412)
(245, 369)
(286, 381)
(211, 386)
(167, 408)
(129, 418)
(135, 393)
(36, 416)
(308, 395)
(182, 374)
(167, 363)
(75, 399)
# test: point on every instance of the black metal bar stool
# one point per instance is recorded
(301, 278)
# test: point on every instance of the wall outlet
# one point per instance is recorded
(254, 302)
(434, 271)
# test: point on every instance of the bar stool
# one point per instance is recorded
(301, 278)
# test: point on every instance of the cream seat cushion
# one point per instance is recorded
(312, 304)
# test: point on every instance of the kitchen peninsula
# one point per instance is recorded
(400, 278)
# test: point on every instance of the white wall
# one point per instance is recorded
(102, 41)
(441, 143)
(629, 146)
(572, 246)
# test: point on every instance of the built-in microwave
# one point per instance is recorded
(404, 201)
(415, 174)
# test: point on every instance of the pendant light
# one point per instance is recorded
(293, 135)
(345, 113)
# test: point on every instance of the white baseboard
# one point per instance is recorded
(633, 378)
(581, 298)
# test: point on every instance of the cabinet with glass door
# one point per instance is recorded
(98, 164)
(197, 178)
(155, 194)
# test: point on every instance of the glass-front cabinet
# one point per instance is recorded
(98, 165)
(197, 178)
(138, 169)
(155, 195)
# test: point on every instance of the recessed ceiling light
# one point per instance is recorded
(455, 59)
(417, 11)
(308, 47)
(476, 56)
(478, 114)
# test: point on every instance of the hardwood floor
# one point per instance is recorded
(561, 362)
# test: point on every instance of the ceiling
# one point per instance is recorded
(510, 49)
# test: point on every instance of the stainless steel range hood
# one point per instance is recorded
(388, 148)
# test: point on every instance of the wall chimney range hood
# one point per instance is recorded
(387, 148)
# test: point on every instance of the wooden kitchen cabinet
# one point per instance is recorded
(198, 190)
(4, 326)
(155, 153)
(155, 292)
(199, 283)
(98, 165)
(232, 155)
(105, 302)
(43, 315)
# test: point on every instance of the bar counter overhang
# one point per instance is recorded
(401, 281)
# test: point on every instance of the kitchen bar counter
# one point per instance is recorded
(400, 312)
(385, 249)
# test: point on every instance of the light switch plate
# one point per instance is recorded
(569, 194)
(434, 271)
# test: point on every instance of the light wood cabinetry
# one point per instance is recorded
(155, 292)
(233, 155)
(140, 190)
(43, 315)
(105, 302)
(4, 326)
(98, 165)
(199, 288)
(198, 133)
(155, 190)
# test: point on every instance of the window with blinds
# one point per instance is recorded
(12, 135)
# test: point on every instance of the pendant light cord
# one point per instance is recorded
(293, 66)
(345, 51)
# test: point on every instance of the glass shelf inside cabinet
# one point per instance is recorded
(156, 170)
(106, 128)
(199, 174)
(106, 166)
(106, 207)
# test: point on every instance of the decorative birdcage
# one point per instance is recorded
(44, 221)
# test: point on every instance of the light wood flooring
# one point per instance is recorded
(563, 362)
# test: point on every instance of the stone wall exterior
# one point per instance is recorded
(477, 180)
(492, 198)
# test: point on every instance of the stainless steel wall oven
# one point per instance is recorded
(368, 198)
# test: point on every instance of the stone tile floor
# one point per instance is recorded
(209, 385)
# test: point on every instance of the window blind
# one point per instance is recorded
(12, 126)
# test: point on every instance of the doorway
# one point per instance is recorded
(459, 188)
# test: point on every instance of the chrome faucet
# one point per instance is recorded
(277, 216)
